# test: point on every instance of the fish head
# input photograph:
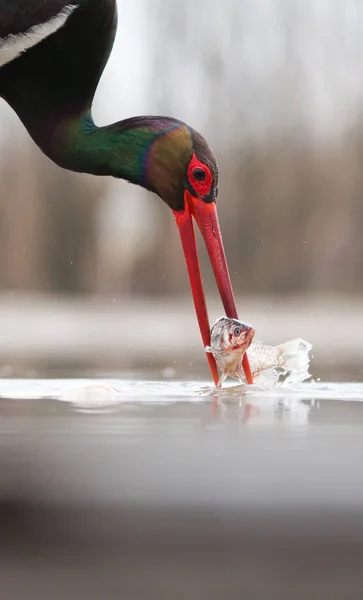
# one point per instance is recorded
(230, 335)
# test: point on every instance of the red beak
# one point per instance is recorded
(205, 214)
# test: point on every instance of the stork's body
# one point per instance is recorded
(52, 55)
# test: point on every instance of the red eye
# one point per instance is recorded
(200, 177)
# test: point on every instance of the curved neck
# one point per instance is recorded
(147, 150)
(119, 150)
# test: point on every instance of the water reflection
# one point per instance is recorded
(263, 413)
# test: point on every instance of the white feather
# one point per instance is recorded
(13, 45)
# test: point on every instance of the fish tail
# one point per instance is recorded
(296, 355)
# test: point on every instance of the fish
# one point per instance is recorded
(231, 338)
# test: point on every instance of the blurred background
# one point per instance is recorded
(277, 89)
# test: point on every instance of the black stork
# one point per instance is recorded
(52, 55)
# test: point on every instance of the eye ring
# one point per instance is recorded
(199, 174)
(237, 330)
(200, 179)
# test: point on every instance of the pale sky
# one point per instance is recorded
(220, 59)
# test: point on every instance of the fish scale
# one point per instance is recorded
(263, 357)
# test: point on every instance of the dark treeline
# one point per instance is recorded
(291, 216)
(47, 224)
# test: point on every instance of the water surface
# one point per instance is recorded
(138, 488)
(150, 441)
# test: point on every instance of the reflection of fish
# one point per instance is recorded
(231, 338)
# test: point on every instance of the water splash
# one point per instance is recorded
(294, 370)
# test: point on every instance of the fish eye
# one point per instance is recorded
(237, 330)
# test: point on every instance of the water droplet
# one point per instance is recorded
(6, 371)
(168, 372)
